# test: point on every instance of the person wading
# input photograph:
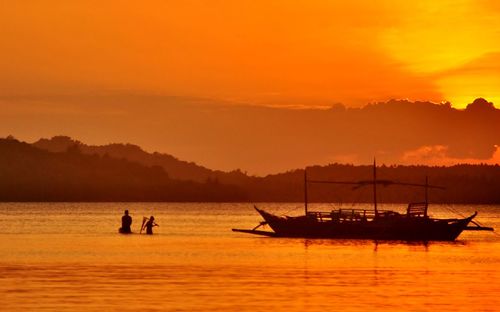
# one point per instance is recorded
(126, 223)
(149, 225)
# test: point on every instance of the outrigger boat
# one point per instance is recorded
(415, 225)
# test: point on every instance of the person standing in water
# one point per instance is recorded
(149, 225)
(126, 223)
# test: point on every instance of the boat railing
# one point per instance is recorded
(417, 210)
(345, 215)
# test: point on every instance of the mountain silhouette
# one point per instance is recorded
(177, 169)
(66, 173)
(28, 173)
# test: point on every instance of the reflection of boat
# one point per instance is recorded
(374, 223)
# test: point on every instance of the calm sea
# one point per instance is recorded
(69, 257)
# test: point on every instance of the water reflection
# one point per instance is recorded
(195, 263)
(411, 245)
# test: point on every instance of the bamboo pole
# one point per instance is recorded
(305, 190)
(375, 186)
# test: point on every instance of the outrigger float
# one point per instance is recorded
(415, 225)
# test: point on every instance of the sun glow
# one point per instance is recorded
(92, 70)
(452, 43)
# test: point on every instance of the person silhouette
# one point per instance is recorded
(149, 225)
(126, 223)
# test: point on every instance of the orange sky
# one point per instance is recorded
(262, 52)
(55, 56)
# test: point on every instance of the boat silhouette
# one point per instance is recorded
(414, 225)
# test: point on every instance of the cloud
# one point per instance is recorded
(212, 81)
(437, 155)
(478, 78)
(262, 139)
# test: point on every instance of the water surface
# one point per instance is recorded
(69, 257)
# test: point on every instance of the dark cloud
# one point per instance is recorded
(264, 139)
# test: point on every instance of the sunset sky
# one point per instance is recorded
(61, 59)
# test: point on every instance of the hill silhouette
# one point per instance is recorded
(177, 169)
(63, 169)
(31, 174)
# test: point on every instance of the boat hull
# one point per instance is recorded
(398, 227)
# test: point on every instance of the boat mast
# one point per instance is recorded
(426, 190)
(375, 186)
(426, 195)
(305, 190)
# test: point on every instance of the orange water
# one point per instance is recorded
(69, 257)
